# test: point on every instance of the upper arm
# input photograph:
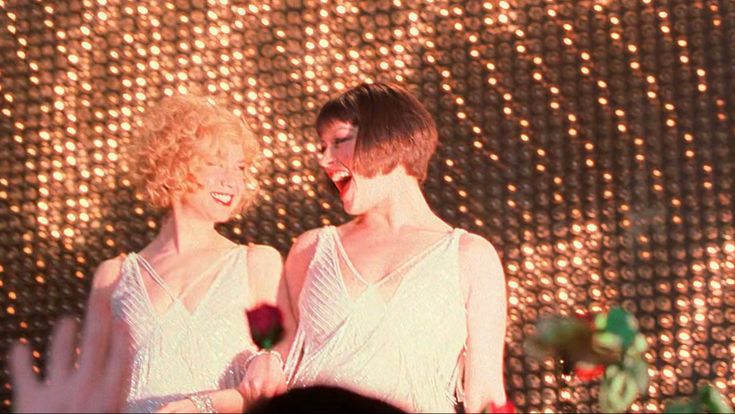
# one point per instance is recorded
(105, 279)
(483, 277)
(264, 273)
(297, 263)
(289, 287)
(482, 273)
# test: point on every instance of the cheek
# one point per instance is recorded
(238, 179)
(204, 177)
(208, 181)
(240, 186)
(345, 155)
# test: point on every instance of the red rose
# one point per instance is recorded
(588, 372)
(266, 325)
(508, 407)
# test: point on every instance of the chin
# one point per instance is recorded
(351, 212)
(222, 218)
(349, 208)
(354, 209)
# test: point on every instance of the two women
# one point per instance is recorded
(395, 304)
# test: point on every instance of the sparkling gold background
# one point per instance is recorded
(591, 141)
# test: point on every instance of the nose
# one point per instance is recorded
(231, 177)
(326, 158)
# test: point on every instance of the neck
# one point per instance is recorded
(404, 207)
(182, 232)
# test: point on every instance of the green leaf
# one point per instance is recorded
(617, 393)
(607, 343)
(681, 407)
(714, 401)
(638, 369)
(622, 324)
(708, 399)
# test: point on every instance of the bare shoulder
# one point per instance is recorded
(306, 241)
(264, 272)
(480, 266)
(300, 256)
(263, 254)
(104, 282)
(473, 247)
(263, 261)
(108, 273)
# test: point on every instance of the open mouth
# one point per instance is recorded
(342, 180)
(222, 198)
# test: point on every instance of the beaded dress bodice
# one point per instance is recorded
(180, 352)
(400, 339)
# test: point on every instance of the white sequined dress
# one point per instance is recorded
(178, 353)
(400, 339)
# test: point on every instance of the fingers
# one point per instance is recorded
(246, 391)
(21, 370)
(61, 358)
(268, 389)
(117, 370)
(281, 387)
(264, 379)
(95, 342)
(273, 389)
(254, 390)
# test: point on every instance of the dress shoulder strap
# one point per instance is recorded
(325, 245)
(324, 263)
(127, 270)
(155, 276)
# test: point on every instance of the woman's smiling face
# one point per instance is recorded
(357, 192)
(222, 183)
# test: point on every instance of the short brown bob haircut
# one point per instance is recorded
(393, 128)
(179, 135)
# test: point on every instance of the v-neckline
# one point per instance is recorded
(174, 299)
(413, 260)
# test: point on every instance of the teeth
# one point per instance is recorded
(224, 198)
(340, 175)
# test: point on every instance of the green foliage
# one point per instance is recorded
(612, 339)
(706, 400)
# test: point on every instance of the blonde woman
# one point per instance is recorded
(184, 295)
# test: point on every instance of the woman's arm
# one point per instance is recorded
(264, 376)
(289, 286)
(223, 401)
(268, 287)
(294, 275)
(484, 287)
(105, 279)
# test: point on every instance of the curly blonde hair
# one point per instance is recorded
(176, 137)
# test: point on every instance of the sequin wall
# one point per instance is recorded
(591, 141)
